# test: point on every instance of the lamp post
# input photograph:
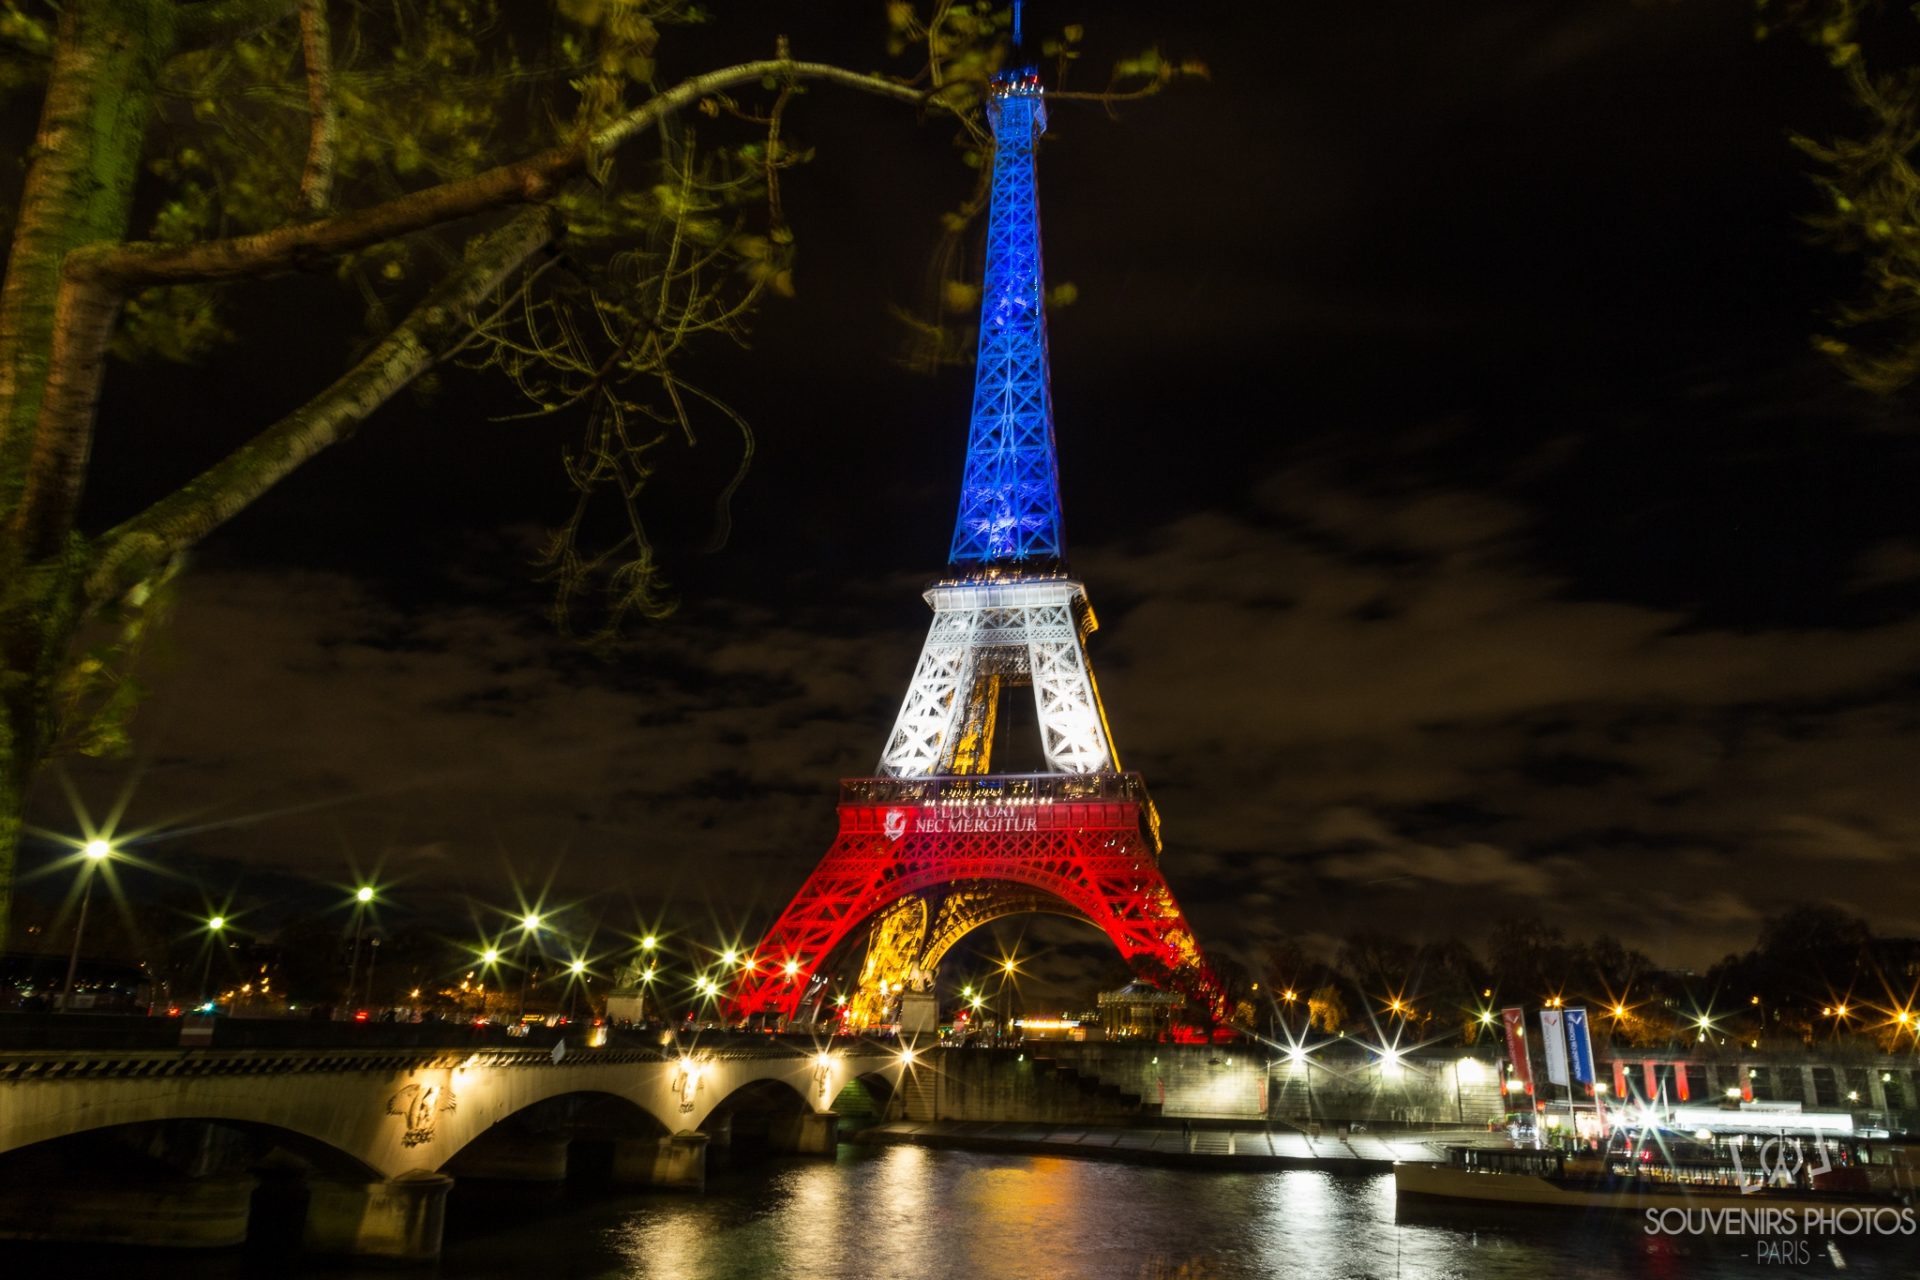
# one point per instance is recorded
(362, 898)
(214, 926)
(576, 978)
(1006, 1015)
(373, 959)
(529, 926)
(93, 852)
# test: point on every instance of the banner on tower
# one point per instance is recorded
(1555, 1037)
(1515, 1023)
(1580, 1045)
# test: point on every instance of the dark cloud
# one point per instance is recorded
(1429, 729)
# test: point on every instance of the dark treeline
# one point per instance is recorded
(1813, 973)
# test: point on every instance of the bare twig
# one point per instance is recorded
(316, 179)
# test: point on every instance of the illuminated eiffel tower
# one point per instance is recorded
(936, 845)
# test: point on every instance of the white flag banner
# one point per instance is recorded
(1555, 1043)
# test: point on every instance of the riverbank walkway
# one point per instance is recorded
(1203, 1145)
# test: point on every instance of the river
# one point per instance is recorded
(908, 1213)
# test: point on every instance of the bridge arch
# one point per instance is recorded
(35, 1128)
(531, 1141)
(865, 1098)
(152, 1144)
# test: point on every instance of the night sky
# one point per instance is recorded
(1472, 528)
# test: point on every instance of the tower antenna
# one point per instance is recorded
(1016, 23)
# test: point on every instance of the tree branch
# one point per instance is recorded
(316, 180)
(200, 26)
(533, 179)
(96, 278)
(134, 550)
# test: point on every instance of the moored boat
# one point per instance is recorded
(1661, 1169)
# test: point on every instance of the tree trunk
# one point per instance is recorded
(78, 191)
(13, 812)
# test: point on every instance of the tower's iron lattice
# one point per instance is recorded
(936, 825)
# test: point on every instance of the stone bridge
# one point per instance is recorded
(178, 1147)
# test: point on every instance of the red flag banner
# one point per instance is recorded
(1515, 1022)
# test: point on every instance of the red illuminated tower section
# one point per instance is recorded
(937, 844)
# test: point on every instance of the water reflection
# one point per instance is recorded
(908, 1213)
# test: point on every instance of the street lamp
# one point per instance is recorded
(576, 978)
(529, 928)
(1008, 968)
(214, 927)
(362, 898)
(93, 852)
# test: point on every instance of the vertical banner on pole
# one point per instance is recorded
(1515, 1023)
(1580, 1044)
(1554, 1037)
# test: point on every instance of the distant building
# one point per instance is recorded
(1138, 1012)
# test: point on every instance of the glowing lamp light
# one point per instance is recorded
(906, 1057)
(577, 968)
(1486, 1018)
(490, 956)
(647, 976)
(96, 849)
(729, 957)
(1840, 1011)
(1733, 1091)
(791, 968)
(364, 894)
(1619, 1011)
(530, 921)
(217, 923)
(1289, 996)
(823, 1060)
(649, 942)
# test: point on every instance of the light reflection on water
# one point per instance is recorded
(907, 1213)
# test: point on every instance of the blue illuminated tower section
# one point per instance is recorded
(1010, 492)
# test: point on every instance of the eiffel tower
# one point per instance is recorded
(936, 844)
